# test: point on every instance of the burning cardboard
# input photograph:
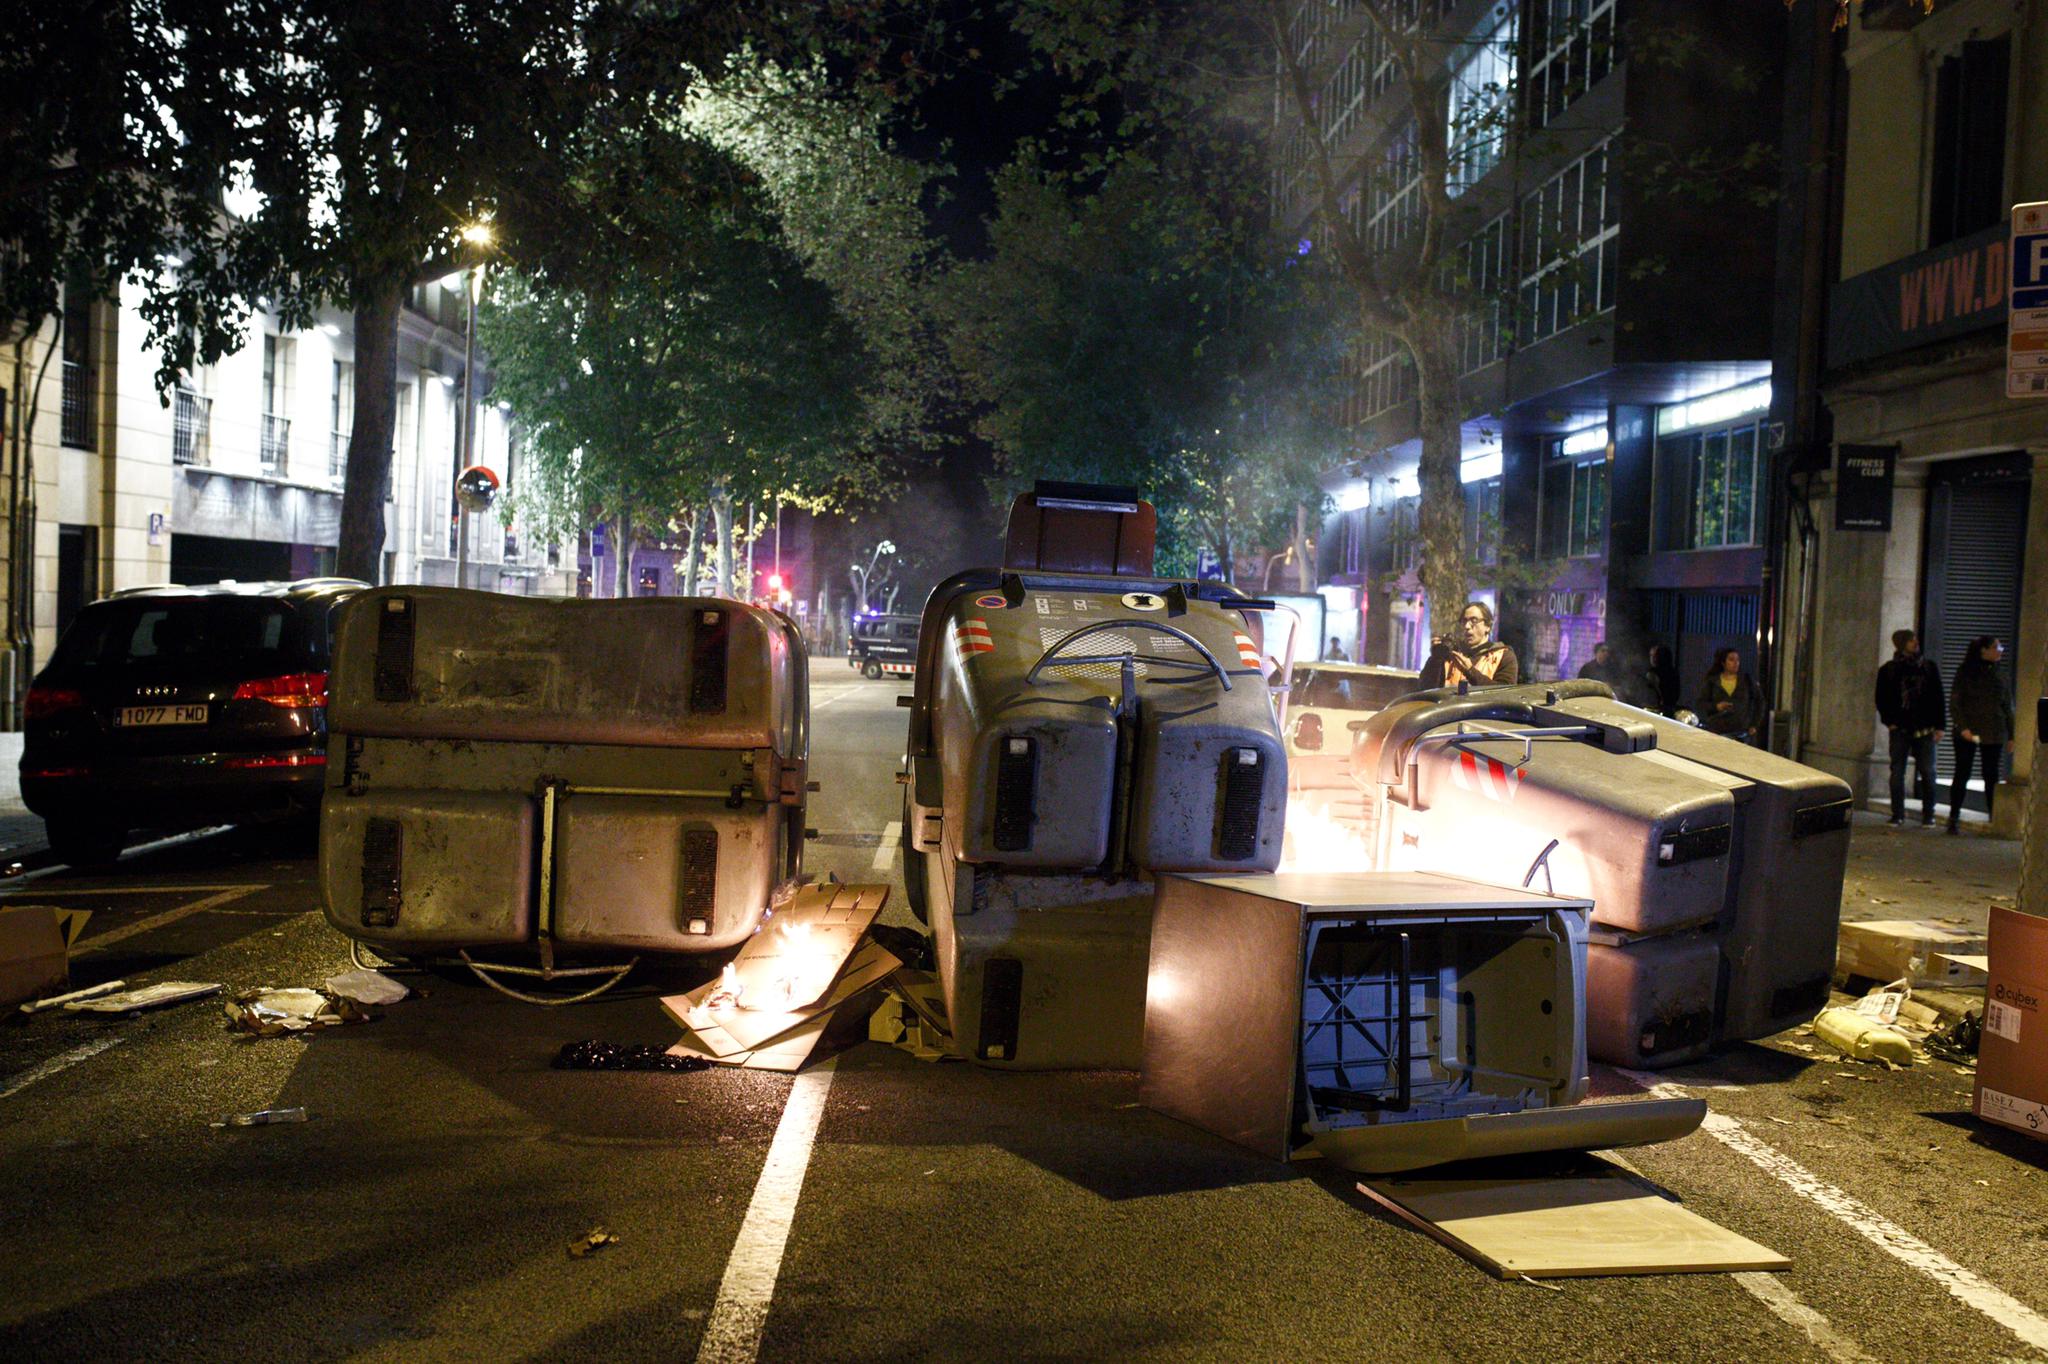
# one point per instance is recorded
(773, 1005)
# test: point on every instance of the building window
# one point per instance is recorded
(649, 581)
(274, 449)
(1478, 112)
(1707, 464)
(1568, 248)
(341, 419)
(191, 425)
(1574, 507)
(1486, 332)
(1966, 181)
(402, 437)
(76, 416)
(1482, 521)
(1571, 46)
(1385, 378)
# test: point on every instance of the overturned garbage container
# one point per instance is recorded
(1714, 869)
(552, 788)
(1385, 1021)
(1079, 727)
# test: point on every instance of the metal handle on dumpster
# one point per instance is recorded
(1047, 658)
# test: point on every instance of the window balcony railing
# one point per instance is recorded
(337, 456)
(276, 442)
(191, 425)
(77, 406)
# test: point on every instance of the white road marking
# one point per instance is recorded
(732, 1335)
(1786, 1306)
(169, 916)
(61, 1061)
(885, 855)
(1963, 1284)
(157, 846)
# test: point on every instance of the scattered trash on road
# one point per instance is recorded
(594, 1055)
(797, 991)
(264, 1117)
(36, 1006)
(147, 997)
(1866, 1039)
(597, 1238)
(366, 987)
(271, 1012)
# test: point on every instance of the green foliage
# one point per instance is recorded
(705, 364)
(1135, 323)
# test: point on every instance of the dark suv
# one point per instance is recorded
(176, 707)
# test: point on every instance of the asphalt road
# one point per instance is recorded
(943, 1211)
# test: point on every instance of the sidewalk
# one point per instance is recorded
(1912, 871)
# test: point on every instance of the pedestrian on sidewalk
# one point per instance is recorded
(1984, 722)
(1730, 702)
(1909, 702)
(1603, 666)
(1660, 681)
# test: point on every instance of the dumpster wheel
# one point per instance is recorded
(483, 970)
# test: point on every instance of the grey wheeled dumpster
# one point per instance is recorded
(1778, 928)
(592, 778)
(1715, 869)
(1074, 734)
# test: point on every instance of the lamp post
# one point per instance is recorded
(478, 235)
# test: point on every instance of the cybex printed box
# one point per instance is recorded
(2012, 1061)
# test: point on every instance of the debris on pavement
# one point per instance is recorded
(1863, 1038)
(595, 1055)
(156, 996)
(1920, 951)
(597, 1238)
(264, 1117)
(105, 987)
(269, 1012)
(912, 1016)
(796, 991)
(1958, 1041)
(366, 987)
(34, 955)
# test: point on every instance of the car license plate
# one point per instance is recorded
(132, 716)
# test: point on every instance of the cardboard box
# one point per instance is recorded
(34, 960)
(2012, 1060)
(1885, 950)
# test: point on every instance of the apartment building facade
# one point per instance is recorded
(1924, 485)
(1616, 363)
(237, 472)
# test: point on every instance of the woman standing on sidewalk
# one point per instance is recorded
(1730, 703)
(1982, 714)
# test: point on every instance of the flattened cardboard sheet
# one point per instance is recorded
(1575, 1221)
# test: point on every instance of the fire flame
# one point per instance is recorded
(730, 988)
(1319, 840)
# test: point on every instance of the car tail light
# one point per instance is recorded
(54, 773)
(293, 689)
(44, 702)
(277, 760)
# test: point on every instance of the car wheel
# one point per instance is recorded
(84, 843)
(871, 670)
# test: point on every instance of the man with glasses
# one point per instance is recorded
(1469, 654)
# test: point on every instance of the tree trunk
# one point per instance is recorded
(361, 552)
(721, 519)
(1443, 495)
(690, 525)
(1304, 566)
(622, 556)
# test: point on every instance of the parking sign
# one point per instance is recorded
(2026, 337)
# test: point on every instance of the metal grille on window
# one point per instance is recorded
(191, 422)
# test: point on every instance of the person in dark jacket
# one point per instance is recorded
(1466, 655)
(1730, 702)
(1660, 681)
(1603, 666)
(1983, 722)
(1909, 702)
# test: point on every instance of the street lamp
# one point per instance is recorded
(481, 236)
